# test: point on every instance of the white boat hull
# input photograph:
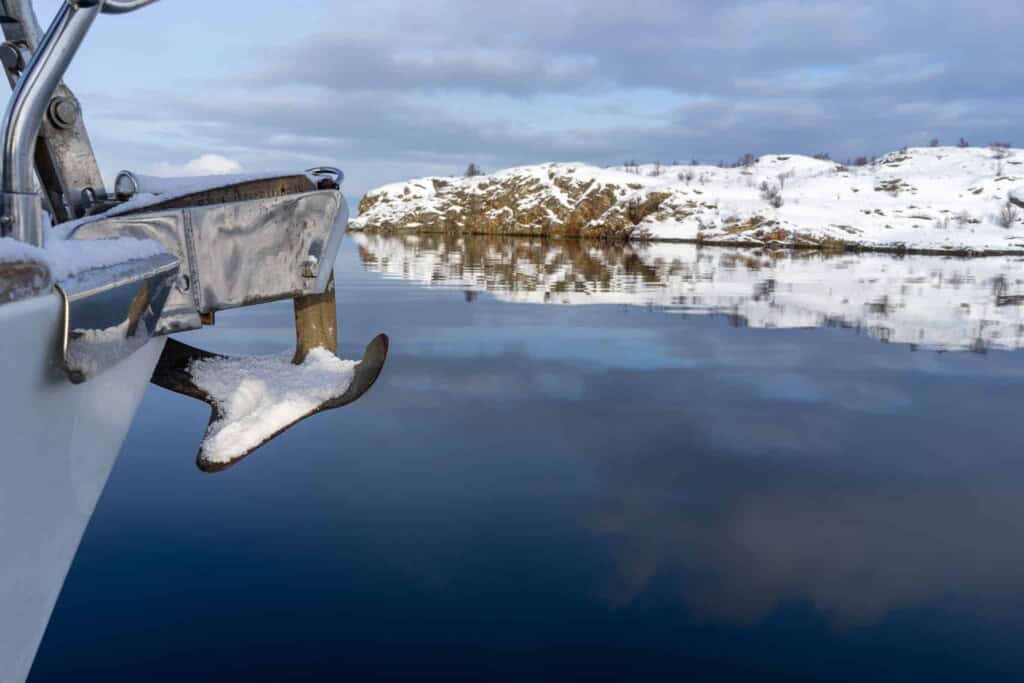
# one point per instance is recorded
(58, 444)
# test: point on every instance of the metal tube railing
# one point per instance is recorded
(20, 206)
(22, 12)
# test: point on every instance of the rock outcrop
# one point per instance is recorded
(942, 199)
(556, 199)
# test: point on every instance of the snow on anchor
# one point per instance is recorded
(255, 398)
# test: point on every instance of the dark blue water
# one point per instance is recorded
(601, 493)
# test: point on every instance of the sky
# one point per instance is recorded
(394, 90)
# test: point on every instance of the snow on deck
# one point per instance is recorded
(258, 396)
(67, 258)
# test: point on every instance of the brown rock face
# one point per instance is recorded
(560, 205)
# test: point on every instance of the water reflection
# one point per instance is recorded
(543, 492)
(737, 503)
(742, 538)
(928, 301)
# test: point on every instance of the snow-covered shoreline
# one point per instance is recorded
(946, 200)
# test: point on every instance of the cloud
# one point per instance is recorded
(385, 62)
(205, 164)
(427, 88)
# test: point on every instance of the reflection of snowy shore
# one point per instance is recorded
(934, 302)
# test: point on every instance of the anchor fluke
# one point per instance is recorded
(246, 411)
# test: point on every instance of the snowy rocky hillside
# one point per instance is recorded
(947, 303)
(944, 199)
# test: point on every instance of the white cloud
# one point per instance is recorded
(205, 164)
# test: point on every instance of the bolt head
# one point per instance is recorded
(64, 112)
(10, 57)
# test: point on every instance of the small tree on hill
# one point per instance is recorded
(473, 170)
(1000, 150)
(771, 193)
(745, 161)
(1008, 215)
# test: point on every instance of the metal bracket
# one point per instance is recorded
(239, 243)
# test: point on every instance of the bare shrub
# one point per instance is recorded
(656, 171)
(745, 161)
(771, 193)
(473, 170)
(861, 161)
(823, 156)
(942, 223)
(934, 142)
(783, 177)
(686, 176)
(1000, 150)
(963, 218)
(1008, 215)
(963, 143)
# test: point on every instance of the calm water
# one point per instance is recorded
(715, 470)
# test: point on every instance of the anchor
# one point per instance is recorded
(244, 241)
(315, 327)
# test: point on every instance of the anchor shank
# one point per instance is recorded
(316, 323)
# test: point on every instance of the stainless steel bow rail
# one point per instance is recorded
(226, 243)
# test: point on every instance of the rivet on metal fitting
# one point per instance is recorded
(311, 266)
